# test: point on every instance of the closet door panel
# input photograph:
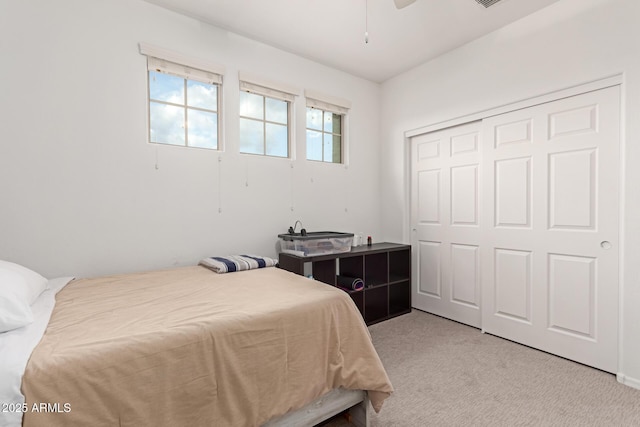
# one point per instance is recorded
(550, 257)
(445, 216)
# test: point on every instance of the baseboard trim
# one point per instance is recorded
(631, 382)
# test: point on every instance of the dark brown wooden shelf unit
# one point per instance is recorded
(385, 269)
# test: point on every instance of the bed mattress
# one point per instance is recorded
(188, 347)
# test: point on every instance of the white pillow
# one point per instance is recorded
(19, 288)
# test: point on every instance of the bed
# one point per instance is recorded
(190, 347)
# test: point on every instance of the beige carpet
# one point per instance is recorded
(448, 374)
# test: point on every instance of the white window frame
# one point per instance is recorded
(194, 69)
(330, 104)
(257, 85)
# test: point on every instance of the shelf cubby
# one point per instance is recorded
(385, 269)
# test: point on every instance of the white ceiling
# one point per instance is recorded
(332, 32)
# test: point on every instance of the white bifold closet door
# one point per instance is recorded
(515, 225)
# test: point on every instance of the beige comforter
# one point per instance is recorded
(188, 347)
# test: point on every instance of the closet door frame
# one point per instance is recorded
(615, 80)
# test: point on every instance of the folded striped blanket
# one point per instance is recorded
(229, 264)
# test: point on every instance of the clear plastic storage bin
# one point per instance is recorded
(316, 243)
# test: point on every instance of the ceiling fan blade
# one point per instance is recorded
(403, 3)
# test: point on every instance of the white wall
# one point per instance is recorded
(80, 194)
(568, 43)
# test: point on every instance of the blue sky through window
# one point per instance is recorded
(182, 111)
(263, 125)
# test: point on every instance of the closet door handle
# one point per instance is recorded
(605, 244)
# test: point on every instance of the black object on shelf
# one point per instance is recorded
(350, 283)
(384, 267)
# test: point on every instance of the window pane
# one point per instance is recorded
(202, 95)
(166, 123)
(314, 118)
(314, 145)
(337, 149)
(165, 87)
(202, 129)
(277, 143)
(337, 124)
(251, 136)
(327, 148)
(276, 110)
(328, 121)
(251, 105)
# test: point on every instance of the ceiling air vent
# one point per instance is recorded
(487, 3)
